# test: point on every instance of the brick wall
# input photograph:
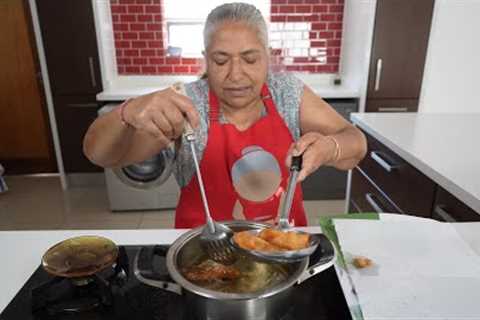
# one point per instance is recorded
(305, 35)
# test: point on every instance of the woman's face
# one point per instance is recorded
(237, 64)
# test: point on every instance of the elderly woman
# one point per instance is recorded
(248, 123)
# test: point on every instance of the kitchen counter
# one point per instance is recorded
(22, 250)
(441, 146)
(124, 92)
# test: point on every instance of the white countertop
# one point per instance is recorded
(124, 92)
(22, 252)
(442, 146)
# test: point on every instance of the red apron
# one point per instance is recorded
(225, 146)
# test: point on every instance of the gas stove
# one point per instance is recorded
(115, 293)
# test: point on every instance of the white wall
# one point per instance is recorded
(452, 69)
(358, 25)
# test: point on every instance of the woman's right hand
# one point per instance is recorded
(162, 114)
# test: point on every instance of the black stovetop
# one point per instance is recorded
(320, 297)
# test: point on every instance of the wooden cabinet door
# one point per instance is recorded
(69, 39)
(449, 209)
(402, 29)
(74, 116)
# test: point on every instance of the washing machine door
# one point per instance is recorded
(147, 174)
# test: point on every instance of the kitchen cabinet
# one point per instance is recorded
(450, 209)
(329, 183)
(74, 115)
(69, 40)
(393, 184)
(400, 40)
(70, 43)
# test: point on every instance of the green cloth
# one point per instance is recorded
(328, 228)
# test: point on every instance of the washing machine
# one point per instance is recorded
(148, 185)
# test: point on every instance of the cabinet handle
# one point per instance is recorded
(83, 105)
(392, 109)
(378, 74)
(375, 155)
(370, 199)
(444, 215)
(92, 72)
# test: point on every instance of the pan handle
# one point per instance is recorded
(144, 269)
(322, 259)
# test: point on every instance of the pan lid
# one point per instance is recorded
(80, 256)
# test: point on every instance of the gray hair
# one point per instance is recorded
(237, 11)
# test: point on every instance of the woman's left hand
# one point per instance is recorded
(316, 150)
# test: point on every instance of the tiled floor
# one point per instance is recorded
(34, 203)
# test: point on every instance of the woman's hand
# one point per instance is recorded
(316, 150)
(161, 114)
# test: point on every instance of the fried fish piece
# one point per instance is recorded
(210, 270)
(290, 240)
(248, 241)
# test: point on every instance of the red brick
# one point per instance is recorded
(131, 53)
(137, 27)
(130, 35)
(122, 44)
(139, 44)
(335, 68)
(317, 44)
(149, 69)
(153, 9)
(128, 18)
(144, 1)
(121, 70)
(328, 1)
(334, 26)
(323, 69)
(326, 35)
(160, 52)
(312, 1)
(303, 9)
(301, 59)
(295, 1)
(157, 61)
(333, 43)
(158, 18)
(341, 1)
(181, 69)
(164, 69)
(278, 2)
(117, 35)
(126, 1)
(195, 69)
(147, 35)
(311, 18)
(115, 18)
(278, 18)
(333, 59)
(188, 61)
(172, 60)
(293, 68)
(145, 17)
(132, 69)
(340, 17)
(319, 26)
(159, 35)
(319, 9)
(274, 9)
(140, 61)
(148, 53)
(124, 61)
(155, 44)
(336, 52)
(135, 9)
(118, 9)
(294, 18)
(337, 8)
(119, 53)
(120, 26)
(338, 35)
(328, 17)
(308, 68)
(287, 9)
(312, 35)
(154, 27)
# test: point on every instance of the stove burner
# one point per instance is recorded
(62, 295)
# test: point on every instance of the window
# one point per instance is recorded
(185, 27)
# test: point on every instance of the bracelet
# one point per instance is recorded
(122, 112)
(336, 156)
